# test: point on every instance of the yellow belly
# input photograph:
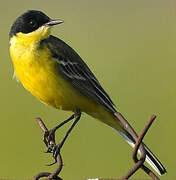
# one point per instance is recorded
(36, 71)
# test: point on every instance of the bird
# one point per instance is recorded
(53, 72)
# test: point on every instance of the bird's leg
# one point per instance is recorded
(49, 136)
(58, 147)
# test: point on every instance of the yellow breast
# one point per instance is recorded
(35, 69)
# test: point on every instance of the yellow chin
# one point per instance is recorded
(41, 33)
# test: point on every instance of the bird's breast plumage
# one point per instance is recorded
(36, 70)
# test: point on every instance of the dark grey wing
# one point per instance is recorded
(73, 69)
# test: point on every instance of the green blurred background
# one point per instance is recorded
(131, 47)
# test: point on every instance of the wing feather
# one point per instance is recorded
(73, 69)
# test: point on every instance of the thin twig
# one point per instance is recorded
(143, 133)
(138, 145)
(141, 137)
(41, 124)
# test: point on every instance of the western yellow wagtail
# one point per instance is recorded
(54, 73)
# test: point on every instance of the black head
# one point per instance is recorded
(30, 21)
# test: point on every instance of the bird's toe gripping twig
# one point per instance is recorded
(49, 140)
(50, 143)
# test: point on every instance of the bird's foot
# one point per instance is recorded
(49, 140)
(49, 136)
(55, 150)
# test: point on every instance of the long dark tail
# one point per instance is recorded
(151, 159)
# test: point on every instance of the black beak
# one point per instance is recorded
(53, 22)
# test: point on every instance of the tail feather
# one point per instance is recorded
(151, 159)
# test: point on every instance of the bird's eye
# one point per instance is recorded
(33, 24)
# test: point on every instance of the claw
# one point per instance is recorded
(52, 163)
(49, 140)
(56, 151)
